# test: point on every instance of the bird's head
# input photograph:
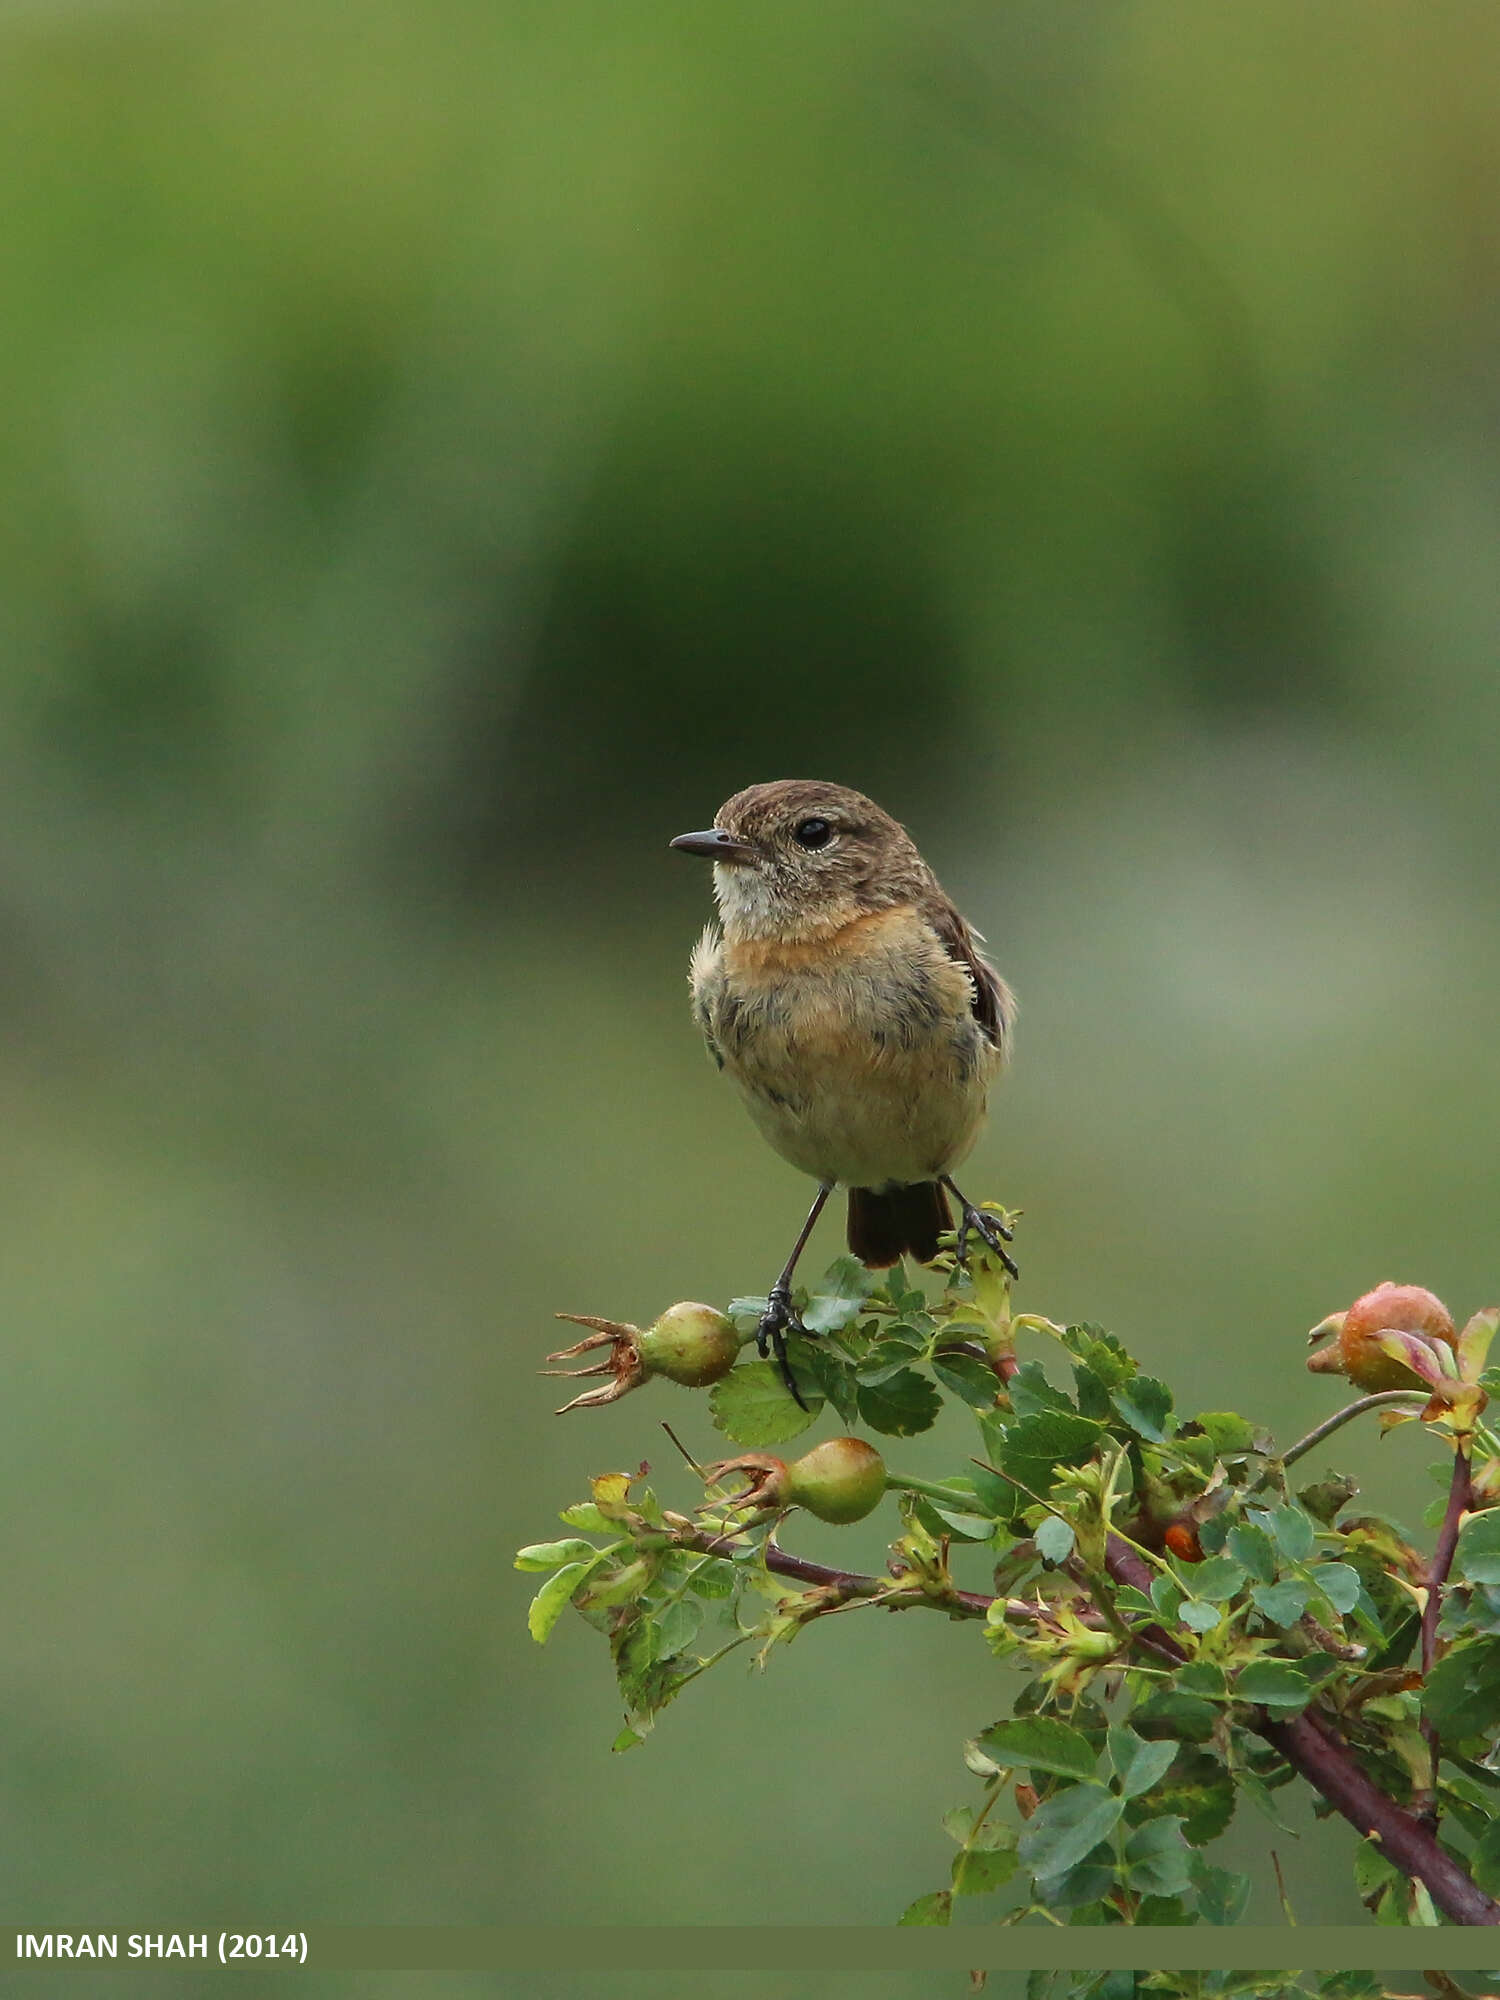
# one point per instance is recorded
(798, 856)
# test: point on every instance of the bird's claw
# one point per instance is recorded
(991, 1231)
(778, 1320)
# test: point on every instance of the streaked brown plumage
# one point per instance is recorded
(850, 1002)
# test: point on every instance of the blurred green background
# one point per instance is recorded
(448, 448)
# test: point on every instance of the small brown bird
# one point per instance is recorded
(849, 1001)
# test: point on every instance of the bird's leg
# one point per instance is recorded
(779, 1318)
(989, 1228)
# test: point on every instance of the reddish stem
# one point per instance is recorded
(1459, 1500)
(1308, 1741)
(1312, 1748)
(1460, 1496)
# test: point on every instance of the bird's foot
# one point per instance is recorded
(778, 1320)
(990, 1230)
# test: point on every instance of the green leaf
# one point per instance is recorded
(712, 1576)
(939, 1521)
(1079, 1889)
(1202, 1677)
(1101, 1353)
(1253, 1548)
(934, 1909)
(1274, 1684)
(1398, 1647)
(1054, 1539)
(629, 1738)
(1162, 1912)
(1223, 1895)
(677, 1627)
(965, 1826)
(1283, 1603)
(1093, 1394)
(552, 1555)
(833, 1378)
(1484, 1863)
(1170, 1713)
(1215, 1581)
(1292, 1529)
(1146, 1405)
(1294, 1532)
(753, 1405)
(1190, 1448)
(1037, 1445)
(1228, 1431)
(1373, 1870)
(586, 1517)
(1041, 1743)
(1067, 1827)
(752, 1309)
(1108, 1986)
(1477, 1557)
(1166, 1595)
(1462, 1694)
(910, 1338)
(553, 1599)
(1259, 1794)
(1325, 1498)
(883, 1361)
(1158, 1859)
(1030, 1391)
(1476, 1610)
(895, 1283)
(1199, 1617)
(971, 1380)
(1339, 1584)
(1139, 1764)
(1198, 1790)
(977, 1870)
(900, 1407)
(845, 1286)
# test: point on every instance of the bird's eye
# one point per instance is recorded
(813, 833)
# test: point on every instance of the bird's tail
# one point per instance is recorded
(884, 1227)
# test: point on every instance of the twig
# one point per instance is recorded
(848, 1583)
(693, 1464)
(1459, 1497)
(1346, 1415)
(1286, 1902)
(1307, 1741)
(931, 1489)
(1311, 1747)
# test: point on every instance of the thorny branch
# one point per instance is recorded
(1308, 1741)
(1460, 1496)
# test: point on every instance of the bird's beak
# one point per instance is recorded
(716, 844)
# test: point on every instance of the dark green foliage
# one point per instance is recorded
(1168, 1599)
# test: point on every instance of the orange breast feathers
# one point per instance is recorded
(881, 982)
(858, 1051)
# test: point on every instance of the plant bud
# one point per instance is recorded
(842, 1479)
(691, 1344)
(1356, 1352)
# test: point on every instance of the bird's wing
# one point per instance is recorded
(993, 1002)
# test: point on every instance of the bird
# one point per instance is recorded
(850, 1002)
